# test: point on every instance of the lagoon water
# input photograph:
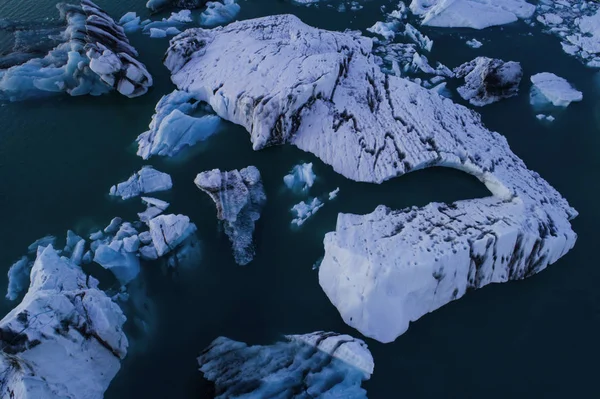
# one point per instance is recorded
(531, 338)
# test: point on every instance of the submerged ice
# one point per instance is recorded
(324, 93)
(239, 197)
(94, 58)
(317, 365)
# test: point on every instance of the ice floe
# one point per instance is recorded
(239, 197)
(324, 93)
(551, 89)
(488, 80)
(476, 14)
(474, 43)
(94, 58)
(146, 180)
(322, 365)
(65, 339)
(172, 128)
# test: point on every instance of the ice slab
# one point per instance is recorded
(146, 180)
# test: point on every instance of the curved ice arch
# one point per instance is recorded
(94, 58)
(322, 91)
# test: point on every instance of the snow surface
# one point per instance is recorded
(94, 57)
(476, 14)
(549, 88)
(240, 198)
(172, 128)
(286, 82)
(65, 339)
(146, 180)
(321, 365)
(488, 80)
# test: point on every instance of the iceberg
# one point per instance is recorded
(146, 180)
(549, 88)
(168, 231)
(94, 58)
(333, 194)
(154, 208)
(300, 178)
(172, 128)
(219, 13)
(474, 43)
(323, 92)
(239, 196)
(319, 365)
(476, 14)
(303, 210)
(65, 339)
(488, 80)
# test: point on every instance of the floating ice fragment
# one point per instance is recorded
(146, 180)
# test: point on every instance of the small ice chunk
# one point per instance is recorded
(97, 235)
(182, 16)
(145, 237)
(131, 244)
(77, 253)
(304, 210)
(18, 277)
(126, 230)
(474, 43)
(112, 227)
(547, 87)
(148, 252)
(168, 231)
(72, 240)
(543, 117)
(334, 194)
(386, 29)
(146, 180)
(219, 13)
(157, 33)
(301, 177)
(125, 266)
(416, 36)
(87, 258)
(160, 204)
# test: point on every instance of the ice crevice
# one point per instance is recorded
(322, 91)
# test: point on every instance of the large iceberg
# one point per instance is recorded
(551, 89)
(488, 80)
(65, 339)
(317, 365)
(146, 180)
(239, 197)
(94, 57)
(172, 128)
(476, 14)
(286, 82)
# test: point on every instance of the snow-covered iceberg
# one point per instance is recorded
(172, 128)
(94, 58)
(551, 89)
(239, 196)
(320, 365)
(476, 14)
(286, 82)
(146, 180)
(65, 339)
(488, 80)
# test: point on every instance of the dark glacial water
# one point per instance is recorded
(532, 338)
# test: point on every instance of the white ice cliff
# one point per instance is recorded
(146, 180)
(476, 14)
(286, 82)
(488, 80)
(317, 365)
(551, 89)
(172, 128)
(65, 339)
(239, 197)
(94, 58)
